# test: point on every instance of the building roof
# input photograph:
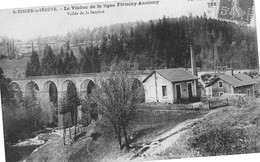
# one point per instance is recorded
(174, 75)
(245, 78)
(237, 80)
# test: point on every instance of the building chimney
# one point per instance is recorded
(193, 61)
(229, 71)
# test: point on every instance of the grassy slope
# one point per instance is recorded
(230, 117)
(148, 125)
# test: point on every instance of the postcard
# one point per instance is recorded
(132, 80)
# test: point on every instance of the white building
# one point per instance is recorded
(170, 85)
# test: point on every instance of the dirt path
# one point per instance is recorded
(166, 140)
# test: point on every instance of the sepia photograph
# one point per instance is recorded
(129, 80)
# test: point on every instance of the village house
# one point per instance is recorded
(170, 85)
(232, 84)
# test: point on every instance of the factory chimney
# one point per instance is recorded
(193, 61)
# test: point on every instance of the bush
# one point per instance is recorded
(220, 141)
(230, 130)
(205, 77)
(242, 102)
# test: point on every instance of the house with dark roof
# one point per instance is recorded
(232, 84)
(170, 85)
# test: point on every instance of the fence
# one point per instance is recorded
(164, 106)
(217, 103)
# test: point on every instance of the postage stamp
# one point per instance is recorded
(236, 10)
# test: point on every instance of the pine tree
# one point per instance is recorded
(60, 66)
(95, 61)
(66, 63)
(48, 62)
(62, 52)
(72, 66)
(69, 105)
(34, 64)
(28, 69)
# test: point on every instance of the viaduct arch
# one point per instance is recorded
(84, 83)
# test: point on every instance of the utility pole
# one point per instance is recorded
(193, 61)
(212, 37)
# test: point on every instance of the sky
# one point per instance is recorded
(27, 26)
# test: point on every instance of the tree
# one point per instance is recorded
(85, 65)
(117, 99)
(68, 105)
(64, 110)
(21, 117)
(60, 65)
(89, 108)
(65, 63)
(33, 67)
(71, 64)
(28, 69)
(48, 62)
(62, 52)
(4, 86)
(95, 62)
(34, 64)
(32, 108)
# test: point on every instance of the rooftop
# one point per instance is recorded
(237, 80)
(174, 75)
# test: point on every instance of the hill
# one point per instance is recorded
(14, 67)
(166, 135)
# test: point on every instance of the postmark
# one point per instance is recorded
(236, 10)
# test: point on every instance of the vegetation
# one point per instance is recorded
(153, 45)
(89, 109)
(21, 117)
(236, 133)
(33, 66)
(118, 99)
(69, 105)
(225, 131)
(121, 48)
(148, 125)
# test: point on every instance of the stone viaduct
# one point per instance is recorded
(82, 82)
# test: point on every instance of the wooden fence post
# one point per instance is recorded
(227, 101)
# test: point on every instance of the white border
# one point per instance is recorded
(32, 3)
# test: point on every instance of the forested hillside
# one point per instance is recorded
(155, 44)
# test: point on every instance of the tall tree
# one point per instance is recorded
(69, 104)
(48, 62)
(66, 63)
(60, 65)
(34, 64)
(117, 99)
(72, 66)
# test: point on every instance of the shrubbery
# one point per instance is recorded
(220, 141)
(206, 77)
(230, 132)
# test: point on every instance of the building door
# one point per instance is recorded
(178, 90)
(190, 90)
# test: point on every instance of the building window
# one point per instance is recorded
(220, 84)
(248, 92)
(164, 91)
(220, 94)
